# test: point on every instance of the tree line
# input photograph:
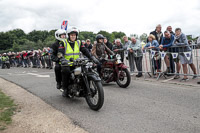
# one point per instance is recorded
(17, 40)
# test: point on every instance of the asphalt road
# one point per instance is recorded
(144, 107)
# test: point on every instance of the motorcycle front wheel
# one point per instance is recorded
(8, 66)
(124, 78)
(3, 66)
(96, 99)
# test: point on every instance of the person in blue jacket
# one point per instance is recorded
(154, 45)
(165, 45)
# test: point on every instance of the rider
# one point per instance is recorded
(71, 48)
(99, 50)
(4, 58)
(60, 35)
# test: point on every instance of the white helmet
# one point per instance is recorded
(58, 33)
(73, 30)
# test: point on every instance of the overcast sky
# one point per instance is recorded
(129, 16)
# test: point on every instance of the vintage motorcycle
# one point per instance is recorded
(5, 64)
(114, 70)
(85, 82)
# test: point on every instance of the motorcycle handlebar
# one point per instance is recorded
(79, 61)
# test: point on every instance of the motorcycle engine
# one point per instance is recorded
(75, 89)
(107, 72)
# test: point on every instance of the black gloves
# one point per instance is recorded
(54, 58)
(95, 60)
(64, 61)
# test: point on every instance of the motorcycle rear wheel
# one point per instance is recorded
(96, 91)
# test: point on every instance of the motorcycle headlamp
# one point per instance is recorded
(89, 65)
(118, 56)
(59, 55)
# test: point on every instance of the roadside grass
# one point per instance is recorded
(7, 109)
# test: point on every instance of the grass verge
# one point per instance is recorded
(7, 109)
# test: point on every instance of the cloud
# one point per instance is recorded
(94, 15)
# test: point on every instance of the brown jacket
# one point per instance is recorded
(100, 50)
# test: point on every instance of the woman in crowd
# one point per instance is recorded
(154, 46)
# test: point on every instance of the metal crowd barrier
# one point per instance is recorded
(194, 55)
(148, 66)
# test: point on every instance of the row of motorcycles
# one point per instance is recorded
(86, 82)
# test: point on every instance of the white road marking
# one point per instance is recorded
(38, 75)
(46, 72)
(29, 73)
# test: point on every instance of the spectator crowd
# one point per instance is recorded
(131, 51)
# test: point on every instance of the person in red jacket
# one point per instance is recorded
(24, 58)
(17, 57)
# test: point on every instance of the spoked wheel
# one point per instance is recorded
(124, 78)
(96, 99)
(3, 66)
(103, 82)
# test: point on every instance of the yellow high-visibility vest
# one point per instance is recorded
(69, 52)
